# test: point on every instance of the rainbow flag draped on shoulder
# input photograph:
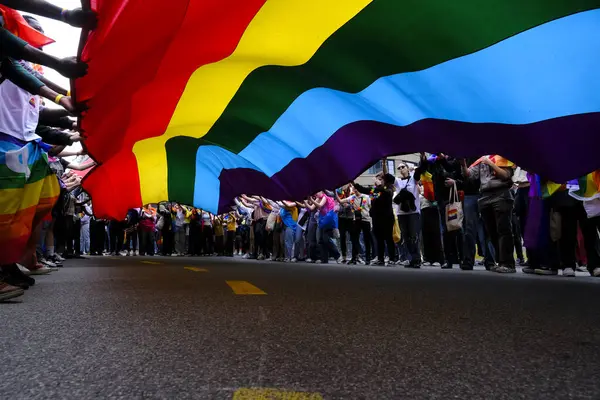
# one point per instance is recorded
(28, 191)
(283, 98)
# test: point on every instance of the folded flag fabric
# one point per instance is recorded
(28, 191)
(285, 98)
(427, 181)
(588, 188)
(16, 24)
(497, 160)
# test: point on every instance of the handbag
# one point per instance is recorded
(160, 223)
(271, 221)
(454, 211)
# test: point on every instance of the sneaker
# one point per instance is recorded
(174, 255)
(8, 292)
(341, 260)
(466, 267)
(414, 265)
(136, 253)
(447, 266)
(47, 263)
(521, 261)
(261, 257)
(318, 262)
(294, 260)
(528, 270)
(286, 260)
(436, 264)
(378, 263)
(24, 270)
(310, 261)
(352, 262)
(596, 272)
(39, 269)
(545, 271)
(504, 269)
(58, 257)
(124, 253)
(569, 272)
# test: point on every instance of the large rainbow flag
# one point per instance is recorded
(199, 101)
(28, 191)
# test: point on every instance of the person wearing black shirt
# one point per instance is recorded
(382, 214)
(445, 171)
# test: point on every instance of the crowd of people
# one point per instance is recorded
(442, 212)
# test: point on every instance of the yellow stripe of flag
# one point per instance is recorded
(283, 32)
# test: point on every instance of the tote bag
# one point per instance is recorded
(454, 211)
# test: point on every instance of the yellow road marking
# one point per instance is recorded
(196, 269)
(273, 394)
(243, 287)
(151, 262)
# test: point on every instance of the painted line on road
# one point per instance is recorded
(196, 269)
(273, 394)
(151, 262)
(244, 288)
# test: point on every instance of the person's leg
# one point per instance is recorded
(344, 230)
(389, 239)
(516, 231)
(502, 211)
(378, 231)
(85, 238)
(230, 243)
(412, 241)
(489, 221)
(366, 233)
(470, 225)
(289, 242)
(568, 237)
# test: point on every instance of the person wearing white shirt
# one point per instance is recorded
(408, 208)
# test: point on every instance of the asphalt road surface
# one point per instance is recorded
(208, 328)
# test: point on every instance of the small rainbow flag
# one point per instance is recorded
(589, 187)
(28, 191)
(427, 181)
(497, 160)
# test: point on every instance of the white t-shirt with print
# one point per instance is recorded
(19, 112)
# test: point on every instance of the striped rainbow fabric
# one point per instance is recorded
(589, 187)
(28, 191)
(285, 98)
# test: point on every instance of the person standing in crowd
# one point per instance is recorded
(473, 227)
(195, 244)
(382, 215)
(409, 211)
(130, 229)
(361, 206)
(208, 243)
(445, 174)
(346, 220)
(146, 230)
(327, 223)
(261, 213)
(165, 226)
(311, 231)
(496, 205)
(85, 241)
(230, 219)
(289, 218)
